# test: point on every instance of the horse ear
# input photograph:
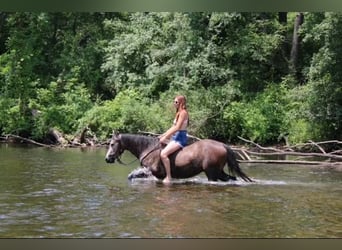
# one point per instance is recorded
(115, 133)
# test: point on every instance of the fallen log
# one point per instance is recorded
(289, 151)
(281, 153)
(7, 137)
(331, 165)
(54, 138)
(315, 143)
(260, 147)
(290, 162)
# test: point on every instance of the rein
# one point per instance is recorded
(120, 153)
(157, 146)
(126, 164)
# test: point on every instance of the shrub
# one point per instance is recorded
(59, 107)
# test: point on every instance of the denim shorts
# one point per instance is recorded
(181, 137)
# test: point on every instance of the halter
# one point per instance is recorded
(120, 151)
(118, 158)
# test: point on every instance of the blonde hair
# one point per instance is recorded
(182, 101)
(182, 105)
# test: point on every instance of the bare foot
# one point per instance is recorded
(166, 180)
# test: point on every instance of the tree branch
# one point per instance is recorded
(278, 152)
(258, 146)
(27, 140)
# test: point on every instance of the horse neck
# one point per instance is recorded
(136, 144)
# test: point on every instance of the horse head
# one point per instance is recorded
(115, 149)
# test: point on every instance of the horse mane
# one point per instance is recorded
(141, 141)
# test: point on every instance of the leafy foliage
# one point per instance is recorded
(60, 106)
(121, 71)
(325, 77)
(261, 119)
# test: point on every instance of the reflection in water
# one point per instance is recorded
(73, 193)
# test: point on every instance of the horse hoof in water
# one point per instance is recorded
(233, 178)
(140, 173)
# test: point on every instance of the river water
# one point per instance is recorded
(73, 193)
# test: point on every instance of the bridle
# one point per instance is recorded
(120, 151)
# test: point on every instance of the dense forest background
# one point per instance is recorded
(268, 77)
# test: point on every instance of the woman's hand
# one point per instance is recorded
(163, 140)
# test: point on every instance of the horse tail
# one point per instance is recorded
(233, 165)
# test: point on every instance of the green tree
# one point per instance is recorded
(108, 70)
(325, 77)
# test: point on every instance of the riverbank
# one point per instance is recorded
(327, 154)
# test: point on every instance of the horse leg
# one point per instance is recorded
(215, 172)
(211, 174)
(226, 177)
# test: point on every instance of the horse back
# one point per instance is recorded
(205, 150)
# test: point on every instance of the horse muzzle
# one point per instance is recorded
(110, 160)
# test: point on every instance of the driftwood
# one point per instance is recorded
(83, 140)
(55, 138)
(58, 137)
(323, 164)
(280, 153)
(333, 158)
(10, 136)
(258, 146)
(317, 144)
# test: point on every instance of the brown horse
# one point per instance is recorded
(206, 155)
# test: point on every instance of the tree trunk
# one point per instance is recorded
(3, 32)
(295, 43)
(282, 17)
(58, 137)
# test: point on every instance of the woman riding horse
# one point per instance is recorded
(208, 156)
(177, 133)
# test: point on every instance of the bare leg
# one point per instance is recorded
(164, 155)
